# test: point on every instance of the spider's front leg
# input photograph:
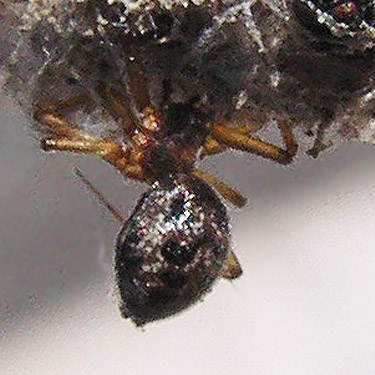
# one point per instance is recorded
(68, 137)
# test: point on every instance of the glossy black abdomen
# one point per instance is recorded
(171, 250)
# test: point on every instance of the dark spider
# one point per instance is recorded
(177, 241)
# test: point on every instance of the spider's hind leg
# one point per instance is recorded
(225, 190)
(239, 138)
(232, 268)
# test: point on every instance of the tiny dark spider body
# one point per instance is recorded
(171, 250)
(173, 141)
(161, 85)
(177, 240)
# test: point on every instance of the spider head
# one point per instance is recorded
(185, 120)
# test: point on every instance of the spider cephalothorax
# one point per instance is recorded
(174, 146)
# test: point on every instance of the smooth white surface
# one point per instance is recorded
(305, 304)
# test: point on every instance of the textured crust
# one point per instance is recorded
(249, 61)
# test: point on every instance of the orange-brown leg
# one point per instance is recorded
(212, 146)
(66, 104)
(137, 79)
(125, 161)
(137, 130)
(68, 137)
(226, 191)
(232, 268)
(237, 138)
(138, 84)
(74, 139)
(119, 107)
(47, 116)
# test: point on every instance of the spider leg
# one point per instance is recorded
(101, 198)
(137, 81)
(238, 139)
(138, 129)
(319, 145)
(68, 137)
(212, 146)
(69, 104)
(225, 191)
(125, 161)
(119, 107)
(232, 268)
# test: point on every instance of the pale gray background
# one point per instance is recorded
(305, 304)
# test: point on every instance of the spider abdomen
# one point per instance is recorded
(171, 250)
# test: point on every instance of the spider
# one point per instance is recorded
(167, 75)
(176, 242)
